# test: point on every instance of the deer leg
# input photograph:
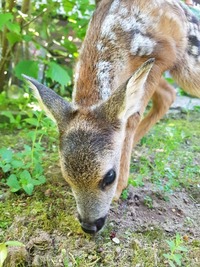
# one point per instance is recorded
(162, 99)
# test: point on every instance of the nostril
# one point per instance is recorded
(92, 227)
(100, 223)
(87, 228)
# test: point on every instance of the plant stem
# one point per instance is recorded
(36, 17)
(34, 140)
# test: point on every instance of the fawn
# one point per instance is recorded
(128, 46)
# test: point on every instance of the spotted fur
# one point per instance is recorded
(193, 34)
(137, 27)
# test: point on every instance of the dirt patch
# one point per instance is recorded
(147, 209)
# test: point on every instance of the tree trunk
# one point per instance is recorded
(7, 50)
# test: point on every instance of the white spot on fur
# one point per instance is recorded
(100, 46)
(115, 5)
(119, 8)
(108, 26)
(131, 21)
(103, 75)
(194, 50)
(122, 20)
(142, 45)
(194, 31)
(128, 24)
(123, 11)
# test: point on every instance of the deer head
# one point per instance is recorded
(91, 140)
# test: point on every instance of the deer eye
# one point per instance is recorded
(109, 178)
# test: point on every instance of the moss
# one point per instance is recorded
(195, 243)
(154, 234)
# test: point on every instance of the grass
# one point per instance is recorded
(170, 154)
(46, 223)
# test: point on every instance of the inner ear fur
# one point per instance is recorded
(54, 105)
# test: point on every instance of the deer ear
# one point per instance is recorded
(127, 99)
(55, 106)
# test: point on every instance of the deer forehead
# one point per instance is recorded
(85, 154)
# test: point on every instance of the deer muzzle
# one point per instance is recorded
(92, 227)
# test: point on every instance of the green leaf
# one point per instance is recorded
(38, 168)
(171, 244)
(28, 188)
(6, 155)
(9, 115)
(32, 121)
(14, 244)
(172, 264)
(3, 253)
(4, 18)
(68, 6)
(32, 135)
(182, 248)
(17, 164)
(13, 27)
(25, 177)
(13, 183)
(13, 38)
(27, 148)
(6, 168)
(27, 37)
(26, 182)
(177, 259)
(28, 67)
(167, 256)
(133, 182)
(58, 74)
(124, 194)
(41, 180)
(178, 239)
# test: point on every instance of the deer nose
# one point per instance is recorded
(89, 228)
(92, 228)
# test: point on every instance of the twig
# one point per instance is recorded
(36, 17)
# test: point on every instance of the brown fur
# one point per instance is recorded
(100, 127)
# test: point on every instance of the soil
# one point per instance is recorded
(179, 213)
